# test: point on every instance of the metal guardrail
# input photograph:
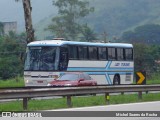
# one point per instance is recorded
(25, 93)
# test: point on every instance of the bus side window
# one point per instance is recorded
(111, 54)
(120, 54)
(63, 59)
(83, 52)
(129, 54)
(102, 53)
(93, 53)
(73, 55)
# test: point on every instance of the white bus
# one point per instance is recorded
(108, 63)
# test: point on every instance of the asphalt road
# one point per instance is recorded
(132, 108)
(143, 106)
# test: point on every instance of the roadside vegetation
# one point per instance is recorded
(13, 82)
(154, 79)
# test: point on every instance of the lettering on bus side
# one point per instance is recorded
(125, 64)
(122, 64)
(117, 64)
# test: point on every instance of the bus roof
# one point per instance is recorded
(61, 43)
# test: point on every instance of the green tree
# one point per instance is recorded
(146, 58)
(88, 33)
(11, 49)
(1, 29)
(58, 28)
(67, 24)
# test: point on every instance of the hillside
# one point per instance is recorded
(118, 16)
(115, 16)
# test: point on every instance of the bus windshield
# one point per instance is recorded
(41, 58)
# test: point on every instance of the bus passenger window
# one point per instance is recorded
(102, 53)
(120, 54)
(73, 52)
(129, 54)
(83, 52)
(111, 53)
(63, 64)
(93, 53)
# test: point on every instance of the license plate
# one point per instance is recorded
(39, 81)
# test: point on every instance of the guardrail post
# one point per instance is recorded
(107, 97)
(122, 93)
(69, 102)
(25, 103)
(140, 95)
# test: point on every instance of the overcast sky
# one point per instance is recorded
(13, 11)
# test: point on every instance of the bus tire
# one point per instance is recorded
(116, 80)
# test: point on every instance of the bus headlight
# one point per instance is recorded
(26, 81)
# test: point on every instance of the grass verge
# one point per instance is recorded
(155, 79)
(14, 82)
(34, 105)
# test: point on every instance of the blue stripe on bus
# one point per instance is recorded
(103, 73)
(108, 65)
(96, 69)
(110, 73)
(85, 69)
(108, 78)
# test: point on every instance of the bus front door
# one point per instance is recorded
(63, 59)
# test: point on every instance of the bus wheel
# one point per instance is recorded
(116, 80)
